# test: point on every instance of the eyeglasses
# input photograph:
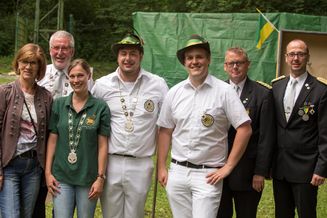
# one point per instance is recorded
(299, 54)
(233, 63)
(62, 48)
(31, 63)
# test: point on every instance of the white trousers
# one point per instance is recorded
(189, 194)
(128, 182)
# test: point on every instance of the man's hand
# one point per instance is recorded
(258, 183)
(162, 176)
(317, 180)
(218, 175)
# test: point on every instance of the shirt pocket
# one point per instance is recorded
(149, 107)
(213, 116)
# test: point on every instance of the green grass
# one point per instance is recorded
(265, 209)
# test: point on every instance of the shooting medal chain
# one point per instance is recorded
(129, 125)
(73, 142)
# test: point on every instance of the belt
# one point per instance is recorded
(124, 155)
(31, 154)
(190, 165)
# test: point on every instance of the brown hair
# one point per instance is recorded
(81, 62)
(30, 51)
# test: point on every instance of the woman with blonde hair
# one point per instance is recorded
(24, 114)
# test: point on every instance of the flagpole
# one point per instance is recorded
(267, 20)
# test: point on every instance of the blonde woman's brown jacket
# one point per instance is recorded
(11, 107)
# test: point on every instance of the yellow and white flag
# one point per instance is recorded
(264, 31)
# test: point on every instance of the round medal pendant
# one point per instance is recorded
(300, 112)
(305, 117)
(129, 127)
(72, 157)
(207, 120)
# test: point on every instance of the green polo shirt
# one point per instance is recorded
(97, 122)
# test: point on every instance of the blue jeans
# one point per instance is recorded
(64, 202)
(20, 188)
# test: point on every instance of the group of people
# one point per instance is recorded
(78, 140)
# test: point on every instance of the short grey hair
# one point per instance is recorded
(62, 34)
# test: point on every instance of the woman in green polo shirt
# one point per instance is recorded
(77, 147)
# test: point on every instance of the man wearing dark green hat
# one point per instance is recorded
(195, 118)
(134, 97)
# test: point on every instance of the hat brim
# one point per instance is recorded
(181, 53)
(116, 47)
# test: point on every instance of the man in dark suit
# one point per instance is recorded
(246, 182)
(300, 163)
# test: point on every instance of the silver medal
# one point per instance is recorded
(300, 112)
(305, 117)
(72, 157)
(129, 127)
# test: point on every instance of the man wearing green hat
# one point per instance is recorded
(134, 97)
(195, 117)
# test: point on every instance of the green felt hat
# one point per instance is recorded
(194, 41)
(130, 40)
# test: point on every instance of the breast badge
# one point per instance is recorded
(207, 120)
(90, 120)
(149, 106)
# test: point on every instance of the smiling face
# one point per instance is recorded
(297, 57)
(78, 79)
(61, 52)
(236, 65)
(197, 62)
(28, 69)
(129, 61)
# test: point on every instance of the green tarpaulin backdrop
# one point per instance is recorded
(165, 33)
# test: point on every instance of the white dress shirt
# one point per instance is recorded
(183, 109)
(141, 141)
(240, 85)
(57, 82)
(300, 82)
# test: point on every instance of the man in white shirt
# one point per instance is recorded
(61, 46)
(134, 97)
(195, 119)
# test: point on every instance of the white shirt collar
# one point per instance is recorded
(208, 81)
(300, 79)
(240, 84)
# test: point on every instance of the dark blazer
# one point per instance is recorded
(301, 144)
(257, 100)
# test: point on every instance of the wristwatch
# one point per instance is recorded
(102, 176)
